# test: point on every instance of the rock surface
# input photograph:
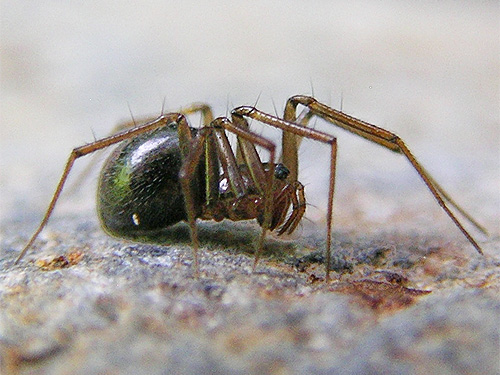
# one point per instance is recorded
(87, 304)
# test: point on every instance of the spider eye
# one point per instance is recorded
(281, 172)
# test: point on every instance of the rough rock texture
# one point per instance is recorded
(86, 303)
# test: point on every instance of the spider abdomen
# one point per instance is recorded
(139, 188)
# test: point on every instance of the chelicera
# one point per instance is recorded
(165, 171)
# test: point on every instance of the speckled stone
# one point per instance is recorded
(86, 303)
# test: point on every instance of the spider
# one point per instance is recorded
(165, 171)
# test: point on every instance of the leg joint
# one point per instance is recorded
(242, 111)
(302, 99)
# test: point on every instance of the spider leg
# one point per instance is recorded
(298, 208)
(93, 147)
(246, 153)
(454, 204)
(188, 168)
(301, 131)
(290, 144)
(392, 142)
(281, 203)
(211, 141)
(121, 126)
(225, 156)
(253, 138)
(206, 112)
(206, 117)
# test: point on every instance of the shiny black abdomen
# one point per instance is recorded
(139, 188)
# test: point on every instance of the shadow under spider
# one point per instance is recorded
(227, 236)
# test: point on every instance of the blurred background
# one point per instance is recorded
(429, 71)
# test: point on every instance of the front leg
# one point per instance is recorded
(386, 139)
